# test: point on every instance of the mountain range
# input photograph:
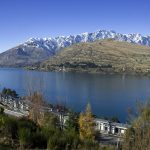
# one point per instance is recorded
(102, 56)
(37, 50)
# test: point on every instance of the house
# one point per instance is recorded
(101, 125)
(108, 127)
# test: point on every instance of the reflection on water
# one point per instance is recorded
(109, 95)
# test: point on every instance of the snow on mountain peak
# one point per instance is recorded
(57, 43)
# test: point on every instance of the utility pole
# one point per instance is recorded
(118, 141)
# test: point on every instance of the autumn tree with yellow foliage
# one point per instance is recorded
(86, 124)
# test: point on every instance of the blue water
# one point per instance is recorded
(109, 95)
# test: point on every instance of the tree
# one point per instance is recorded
(9, 92)
(86, 124)
(72, 121)
(138, 135)
(36, 111)
(50, 119)
(114, 119)
(49, 124)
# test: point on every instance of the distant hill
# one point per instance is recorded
(36, 50)
(103, 56)
(22, 56)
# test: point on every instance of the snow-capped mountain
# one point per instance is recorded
(55, 44)
(36, 50)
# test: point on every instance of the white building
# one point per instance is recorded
(108, 127)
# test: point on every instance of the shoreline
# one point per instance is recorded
(12, 109)
(79, 71)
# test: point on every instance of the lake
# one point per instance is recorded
(109, 95)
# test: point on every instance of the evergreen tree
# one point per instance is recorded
(9, 92)
(72, 121)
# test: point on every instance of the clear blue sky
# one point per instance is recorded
(22, 19)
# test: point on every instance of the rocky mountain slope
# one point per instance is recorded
(22, 56)
(103, 56)
(36, 50)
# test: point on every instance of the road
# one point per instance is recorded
(110, 139)
(14, 113)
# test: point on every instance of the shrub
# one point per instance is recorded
(57, 143)
(25, 138)
(39, 140)
(25, 123)
(1, 110)
(10, 127)
(88, 144)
